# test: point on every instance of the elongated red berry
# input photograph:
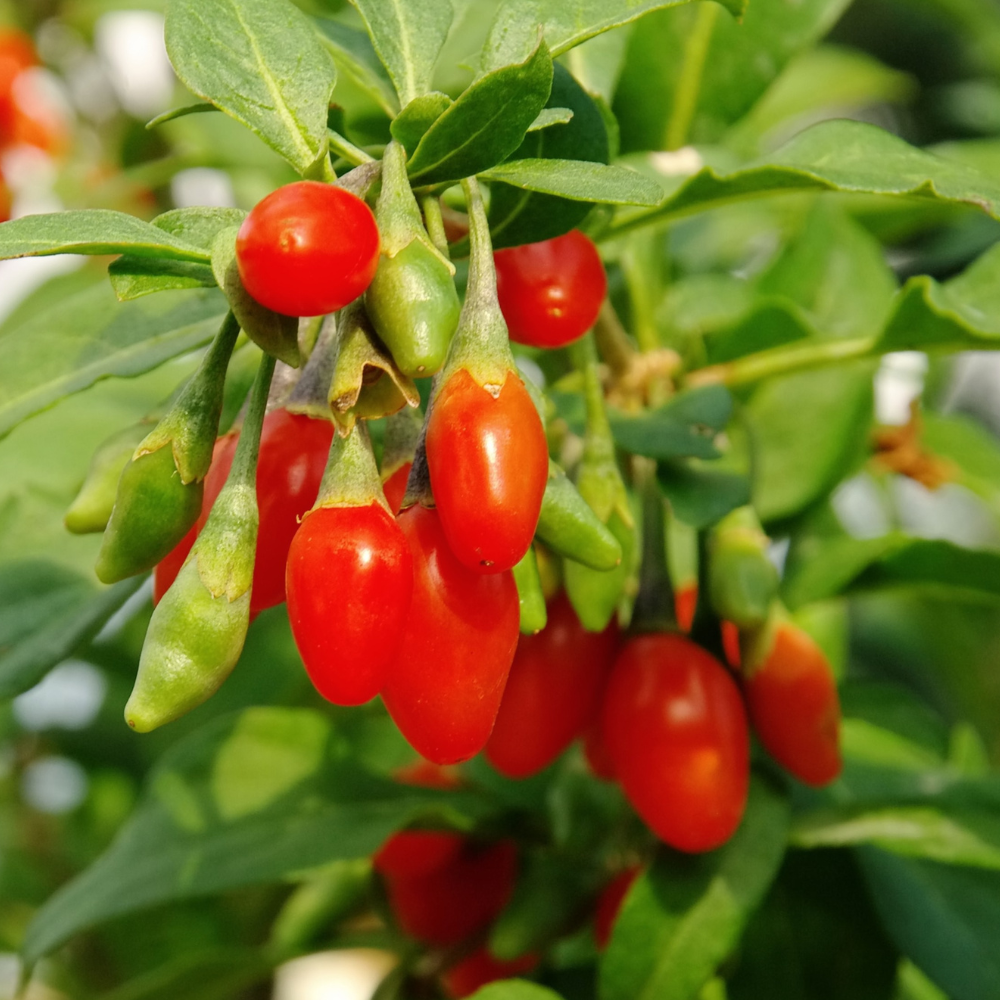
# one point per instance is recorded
(676, 729)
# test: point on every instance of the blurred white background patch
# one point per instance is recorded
(333, 975)
(130, 44)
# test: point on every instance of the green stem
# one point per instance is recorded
(350, 152)
(782, 361)
(598, 442)
(482, 271)
(244, 468)
(435, 222)
(689, 82)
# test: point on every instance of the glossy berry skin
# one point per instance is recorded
(609, 905)
(596, 753)
(414, 853)
(348, 581)
(444, 687)
(307, 249)
(551, 292)
(676, 729)
(794, 707)
(552, 694)
(449, 904)
(293, 454)
(489, 463)
(731, 643)
(476, 970)
(395, 487)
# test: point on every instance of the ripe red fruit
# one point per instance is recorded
(596, 753)
(6, 201)
(449, 904)
(308, 249)
(293, 454)
(731, 643)
(553, 692)
(480, 968)
(676, 730)
(551, 292)
(489, 463)
(685, 606)
(794, 707)
(348, 578)
(416, 852)
(395, 487)
(444, 687)
(609, 904)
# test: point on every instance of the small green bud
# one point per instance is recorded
(530, 594)
(742, 581)
(153, 511)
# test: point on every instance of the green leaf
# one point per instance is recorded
(578, 180)
(357, 60)
(807, 431)
(89, 336)
(952, 836)
(199, 226)
(684, 427)
(46, 612)
(817, 935)
(563, 24)
(486, 124)
(833, 156)
(836, 272)
(683, 917)
(514, 989)
(831, 566)
(699, 494)
(250, 798)
(945, 918)
(189, 109)
(961, 314)
(973, 450)
(828, 78)
(409, 126)
(548, 117)
(407, 35)
(728, 63)
(518, 216)
(262, 62)
(92, 231)
(134, 277)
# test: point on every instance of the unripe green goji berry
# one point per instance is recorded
(92, 506)
(595, 595)
(570, 528)
(198, 629)
(160, 491)
(412, 299)
(530, 594)
(742, 581)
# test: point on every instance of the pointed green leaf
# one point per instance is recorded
(92, 231)
(357, 60)
(578, 180)
(683, 917)
(407, 35)
(250, 798)
(833, 156)
(946, 919)
(486, 124)
(263, 63)
(89, 336)
(46, 612)
(563, 24)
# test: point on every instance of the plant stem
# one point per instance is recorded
(350, 152)
(244, 467)
(613, 342)
(781, 361)
(689, 82)
(434, 222)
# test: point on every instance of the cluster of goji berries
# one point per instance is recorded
(27, 115)
(413, 581)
